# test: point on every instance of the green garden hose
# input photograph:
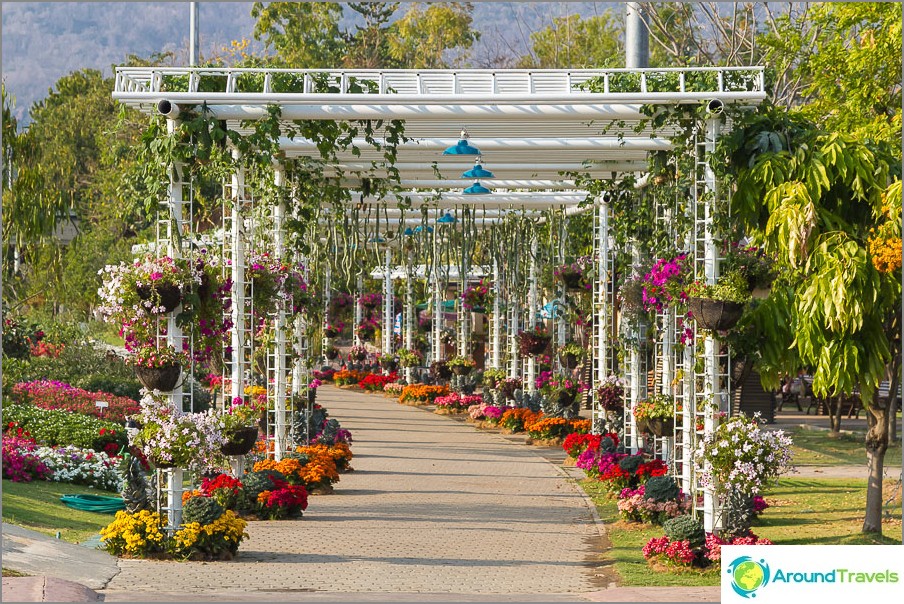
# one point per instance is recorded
(94, 503)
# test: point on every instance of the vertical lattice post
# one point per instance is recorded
(602, 305)
(410, 312)
(496, 361)
(436, 348)
(533, 301)
(636, 369)
(514, 327)
(388, 321)
(237, 372)
(715, 384)
(278, 387)
(359, 310)
(327, 286)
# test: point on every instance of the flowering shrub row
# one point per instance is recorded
(547, 428)
(422, 393)
(20, 462)
(347, 377)
(633, 506)
(53, 427)
(681, 554)
(394, 388)
(457, 402)
(490, 414)
(49, 394)
(24, 460)
(376, 382)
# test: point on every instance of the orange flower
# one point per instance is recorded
(186, 495)
(422, 392)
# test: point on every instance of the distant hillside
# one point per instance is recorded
(43, 41)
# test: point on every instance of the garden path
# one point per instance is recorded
(434, 510)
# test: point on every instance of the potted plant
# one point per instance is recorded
(388, 362)
(264, 278)
(447, 336)
(357, 353)
(476, 297)
(424, 323)
(571, 275)
(239, 426)
(757, 267)
(533, 341)
(410, 358)
(331, 353)
(461, 365)
(610, 394)
(440, 370)
(171, 438)
(333, 330)
(664, 283)
(656, 414)
(366, 330)
(370, 301)
(563, 390)
(157, 368)
(719, 306)
(570, 353)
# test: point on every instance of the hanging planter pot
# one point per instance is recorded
(532, 343)
(565, 398)
(461, 369)
(162, 378)
(661, 426)
(167, 295)
(332, 353)
(569, 361)
(331, 332)
(717, 315)
(643, 425)
(161, 464)
(572, 281)
(389, 363)
(239, 441)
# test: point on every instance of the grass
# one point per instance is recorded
(36, 505)
(814, 511)
(819, 448)
(8, 572)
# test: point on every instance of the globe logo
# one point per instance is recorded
(748, 575)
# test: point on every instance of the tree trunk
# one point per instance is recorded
(876, 446)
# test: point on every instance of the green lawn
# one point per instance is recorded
(36, 505)
(804, 511)
(820, 448)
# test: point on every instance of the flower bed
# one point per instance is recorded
(634, 506)
(456, 402)
(394, 389)
(349, 377)
(421, 394)
(618, 471)
(576, 443)
(20, 462)
(55, 427)
(49, 394)
(515, 420)
(553, 428)
(376, 382)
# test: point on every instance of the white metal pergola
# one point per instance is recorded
(533, 128)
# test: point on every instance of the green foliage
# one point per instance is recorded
(661, 488)
(53, 427)
(681, 528)
(203, 510)
(427, 32)
(631, 463)
(574, 42)
(256, 483)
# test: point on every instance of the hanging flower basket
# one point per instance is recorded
(572, 280)
(461, 369)
(566, 398)
(569, 361)
(161, 464)
(240, 441)
(331, 332)
(661, 426)
(717, 315)
(441, 370)
(162, 378)
(532, 343)
(371, 301)
(168, 294)
(389, 363)
(332, 353)
(643, 425)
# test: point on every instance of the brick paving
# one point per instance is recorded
(434, 509)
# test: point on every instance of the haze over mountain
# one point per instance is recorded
(43, 41)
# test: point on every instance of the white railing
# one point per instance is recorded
(498, 82)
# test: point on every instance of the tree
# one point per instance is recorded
(426, 33)
(574, 42)
(817, 200)
(309, 35)
(303, 34)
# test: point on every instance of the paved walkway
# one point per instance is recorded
(434, 510)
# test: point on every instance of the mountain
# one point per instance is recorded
(42, 41)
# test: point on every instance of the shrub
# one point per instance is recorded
(203, 510)
(81, 466)
(422, 393)
(49, 394)
(661, 488)
(52, 427)
(139, 534)
(226, 490)
(685, 528)
(374, 382)
(215, 541)
(633, 506)
(259, 481)
(630, 463)
(20, 462)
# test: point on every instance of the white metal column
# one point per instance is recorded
(496, 361)
(387, 305)
(602, 305)
(410, 312)
(278, 363)
(533, 301)
(237, 372)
